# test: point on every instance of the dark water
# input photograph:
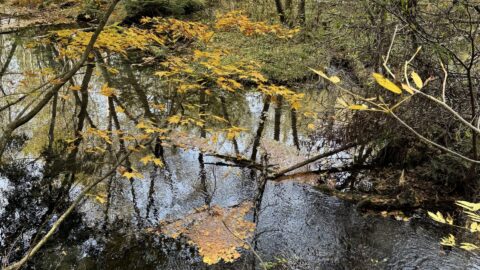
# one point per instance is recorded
(298, 226)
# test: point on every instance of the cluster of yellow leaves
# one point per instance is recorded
(239, 21)
(149, 127)
(103, 134)
(438, 217)
(207, 69)
(234, 131)
(151, 158)
(290, 96)
(472, 224)
(113, 39)
(132, 173)
(107, 91)
(100, 197)
(450, 241)
(217, 232)
(175, 30)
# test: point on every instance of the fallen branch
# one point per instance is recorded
(313, 159)
(351, 168)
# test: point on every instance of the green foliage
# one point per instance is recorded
(282, 60)
(139, 8)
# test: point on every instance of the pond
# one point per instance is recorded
(297, 226)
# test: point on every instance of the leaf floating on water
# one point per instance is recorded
(386, 83)
(218, 232)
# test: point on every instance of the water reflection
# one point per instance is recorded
(295, 222)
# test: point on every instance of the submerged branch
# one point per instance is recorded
(313, 159)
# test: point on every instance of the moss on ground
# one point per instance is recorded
(281, 60)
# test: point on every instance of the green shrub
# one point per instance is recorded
(139, 8)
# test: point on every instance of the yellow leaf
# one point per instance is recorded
(468, 246)
(146, 159)
(311, 126)
(174, 119)
(119, 109)
(437, 217)
(335, 79)
(474, 227)
(158, 162)
(132, 174)
(417, 80)
(142, 125)
(448, 241)
(449, 219)
(386, 83)
(100, 199)
(468, 205)
(74, 87)
(359, 107)
(407, 88)
(107, 91)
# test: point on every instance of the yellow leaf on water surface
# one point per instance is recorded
(386, 83)
(219, 233)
